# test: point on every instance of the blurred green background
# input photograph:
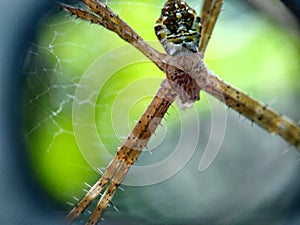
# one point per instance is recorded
(247, 50)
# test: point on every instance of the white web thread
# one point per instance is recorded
(58, 105)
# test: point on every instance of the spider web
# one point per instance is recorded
(66, 50)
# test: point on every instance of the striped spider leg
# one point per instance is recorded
(179, 31)
(209, 15)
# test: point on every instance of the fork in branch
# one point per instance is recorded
(184, 36)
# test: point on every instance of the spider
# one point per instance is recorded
(184, 36)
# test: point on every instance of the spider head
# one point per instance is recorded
(179, 28)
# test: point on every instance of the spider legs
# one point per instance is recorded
(94, 191)
(104, 16)
(108, 194)
(209, 15)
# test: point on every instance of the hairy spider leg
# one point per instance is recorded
(105, 17)
(209, 15)
(135, 143)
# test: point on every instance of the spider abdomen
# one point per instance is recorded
(178, 29)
